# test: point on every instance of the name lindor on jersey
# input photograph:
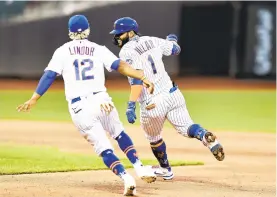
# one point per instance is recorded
(81, 50)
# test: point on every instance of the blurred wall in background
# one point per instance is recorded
(234, 39)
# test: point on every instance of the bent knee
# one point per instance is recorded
(153, 139)
(103, 150)
(106, 152)
(99, 145)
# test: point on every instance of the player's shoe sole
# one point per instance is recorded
(146, 174)
(215, 147)
(149, 179)
(130, 191)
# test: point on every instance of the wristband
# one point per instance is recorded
(142, 79)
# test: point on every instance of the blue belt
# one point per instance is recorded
(79, 98)
(175, 87)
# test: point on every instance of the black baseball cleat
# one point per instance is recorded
(215, 147)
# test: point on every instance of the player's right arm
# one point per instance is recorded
(136, 85)
(136, 90)
(134, 61)
(53, 69)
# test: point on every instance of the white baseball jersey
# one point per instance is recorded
(146, 53)
(81, 63)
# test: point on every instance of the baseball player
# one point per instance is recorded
(167, 102)
(81, 63)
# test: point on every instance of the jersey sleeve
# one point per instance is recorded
(108, 58)
(56, 63)
(166, 46)
(134, 61)
(131, 58)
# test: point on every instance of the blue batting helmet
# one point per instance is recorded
(123, 25)
(78, 23)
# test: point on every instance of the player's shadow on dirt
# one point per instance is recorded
(118, 187)
(206, 181)
(144, 189)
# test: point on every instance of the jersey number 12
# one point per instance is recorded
(81, 66)
(150, 59)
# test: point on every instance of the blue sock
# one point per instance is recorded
(112, 162)
(196, 131)
(126, 145)
(159, 150)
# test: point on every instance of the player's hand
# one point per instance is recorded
(26, 107)
(130, 112)
(172, 37)
(149, 85)
(107, 107)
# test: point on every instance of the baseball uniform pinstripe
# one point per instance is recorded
(146, 53)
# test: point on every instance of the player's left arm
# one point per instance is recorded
(53, 69)
(176, 49)
(45, 82)
(169, 46)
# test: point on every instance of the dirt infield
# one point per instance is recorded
(248, 170)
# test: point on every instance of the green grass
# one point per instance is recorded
(221, 110)
(16, 159)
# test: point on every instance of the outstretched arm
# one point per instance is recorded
(126, 70)
(111, 62)
(54, 68)
(44, 83)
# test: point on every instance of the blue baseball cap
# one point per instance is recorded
(123, 25)
(78, 23)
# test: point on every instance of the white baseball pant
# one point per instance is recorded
(170, 106)
(93, 123)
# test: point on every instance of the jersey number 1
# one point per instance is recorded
(150, 59)
(84, 69)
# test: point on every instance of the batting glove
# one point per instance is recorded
(130, 112)
(172, 37)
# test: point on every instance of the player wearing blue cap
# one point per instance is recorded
(167, 102)
(81, 63)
